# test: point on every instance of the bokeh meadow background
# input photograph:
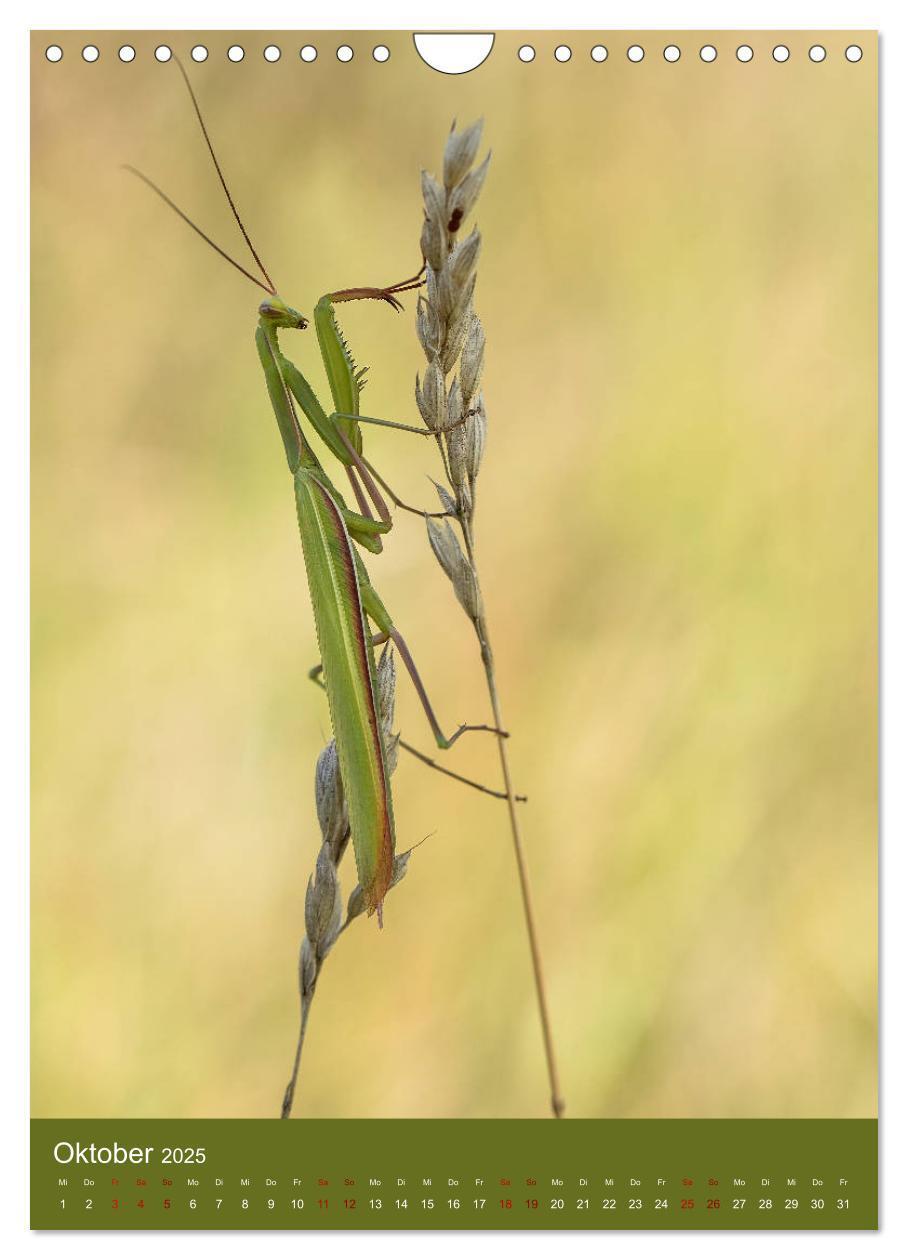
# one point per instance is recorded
(676, 532)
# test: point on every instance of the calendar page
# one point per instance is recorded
(454, 630)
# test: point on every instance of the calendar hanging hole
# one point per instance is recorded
(635, 53)
(54, 53)
(453, 52)
(236, 53)
(780, 53)
(126, 53)
(526, 52)
(562, 53)
(308, 53)
(599, 52)
(671, 53)
(162, 53)
(381, 52)
(817, 53)
(744, 53)
(272, 53)
(708, 53)
(854, 52)
(90, 53)
(199, 53)
(345, 53)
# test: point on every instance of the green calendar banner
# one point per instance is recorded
(455, 1174)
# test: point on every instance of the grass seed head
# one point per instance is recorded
(444, 544)
(431, 398)
(386, 677)
(463, 261)
(471, 361)
(434, 204)
(474, 440)
(460, 152)
(463, 198)
(445, 498)
(323, 904)
(307, 969)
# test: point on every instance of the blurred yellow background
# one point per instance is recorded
(677, 541)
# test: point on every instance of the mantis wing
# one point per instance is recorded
(349, 665)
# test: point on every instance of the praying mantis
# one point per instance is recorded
(344, 601)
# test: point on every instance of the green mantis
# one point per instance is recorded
(345, 604)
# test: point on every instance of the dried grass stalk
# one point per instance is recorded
(452, 406)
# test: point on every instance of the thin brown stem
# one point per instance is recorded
(482, 633)
(305, 1007)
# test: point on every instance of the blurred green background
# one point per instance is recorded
(677, 540)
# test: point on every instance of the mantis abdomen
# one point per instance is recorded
(349, 672)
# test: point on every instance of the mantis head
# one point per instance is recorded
(279, 315)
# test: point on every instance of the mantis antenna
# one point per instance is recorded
(217, 167)
(269, 287)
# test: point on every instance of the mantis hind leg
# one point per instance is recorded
(315, 674)
(442, 740)
(376, 610)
